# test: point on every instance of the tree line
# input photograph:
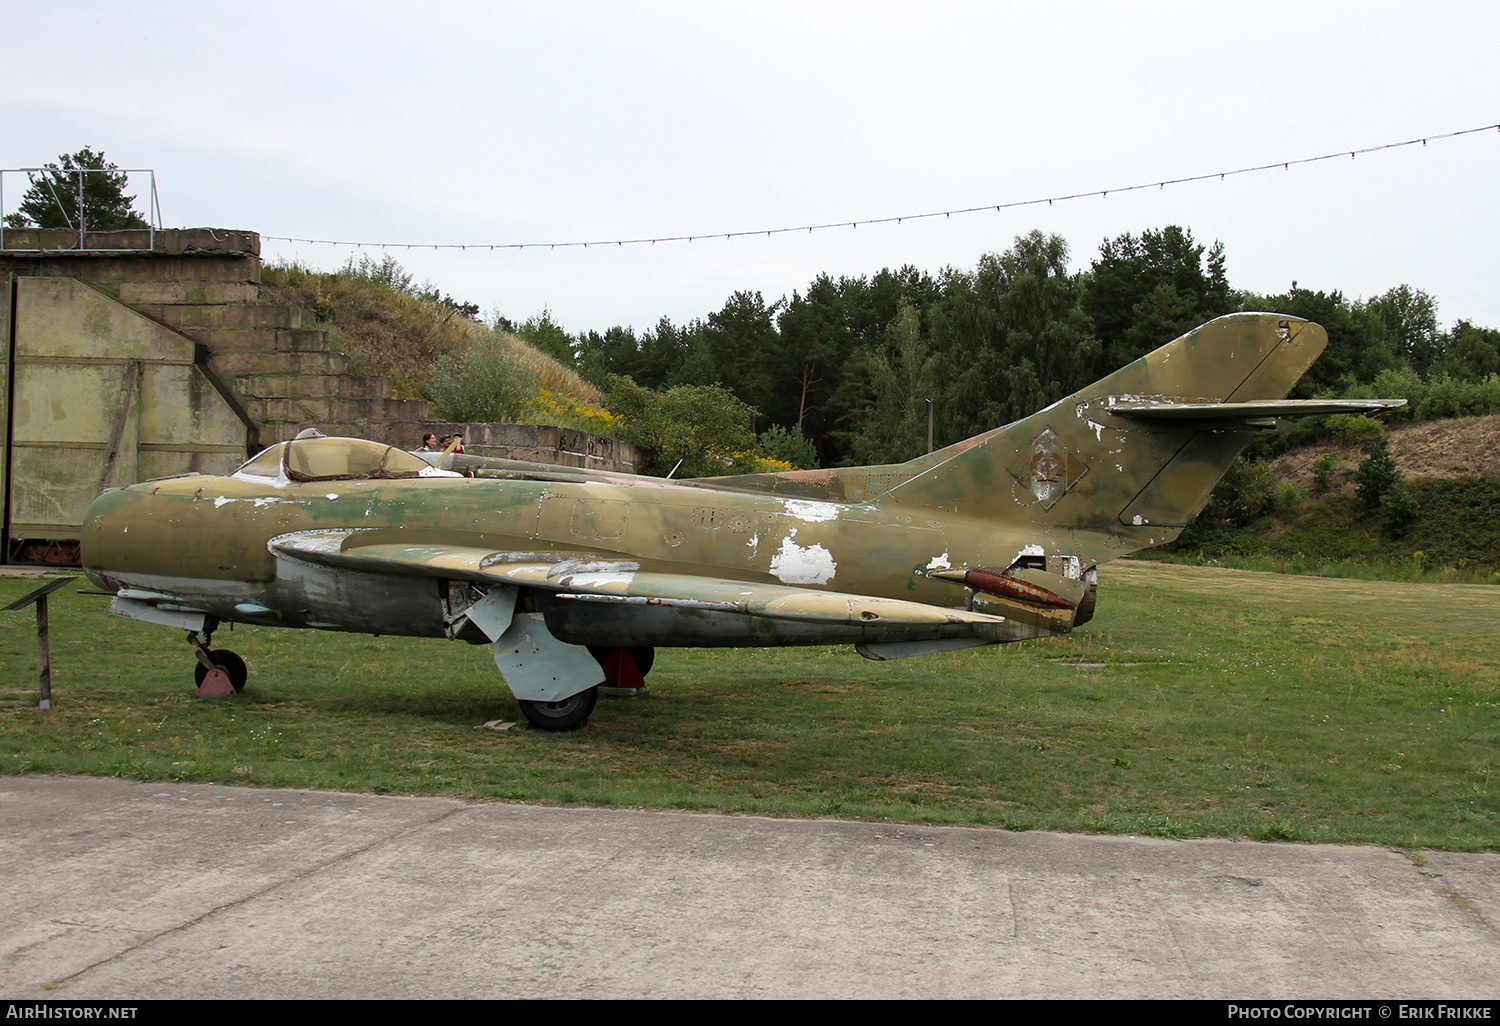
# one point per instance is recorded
(850, 364)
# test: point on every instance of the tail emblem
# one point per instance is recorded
(1053, 469)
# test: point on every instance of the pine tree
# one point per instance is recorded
(52, 199)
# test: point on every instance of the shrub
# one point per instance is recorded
(1247, 492)
(1323, 472)
(1377, 473)
(1355, 428)
(1397, 510)
(789, 447)
(571, 411)
(488, 383)
(387, 273)
(704, 426)
(1452, 397)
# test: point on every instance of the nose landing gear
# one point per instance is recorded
(217, 673)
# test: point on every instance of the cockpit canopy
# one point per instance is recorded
(334, 459)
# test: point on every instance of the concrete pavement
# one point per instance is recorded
(137, 891)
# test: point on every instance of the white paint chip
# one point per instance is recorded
(811, 512)
(794, 564)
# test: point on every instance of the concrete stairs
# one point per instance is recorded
(286, 376)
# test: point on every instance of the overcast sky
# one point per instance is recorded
(496, 123)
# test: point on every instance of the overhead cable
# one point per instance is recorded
(1048, 200)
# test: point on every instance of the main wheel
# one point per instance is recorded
(232, 665)
(568, 714)
(644, 658)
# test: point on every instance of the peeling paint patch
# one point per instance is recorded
(810, 511)
(794, 564)
(939, 563)
(1031, 550)
(264, 500)
(598, 580)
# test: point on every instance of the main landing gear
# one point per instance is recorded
(623, 668)
(217, 673)
(569, 714)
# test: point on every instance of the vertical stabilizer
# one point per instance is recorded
(1083, 465)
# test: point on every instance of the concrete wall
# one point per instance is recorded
(539, 443)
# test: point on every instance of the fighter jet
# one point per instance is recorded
(575, 577)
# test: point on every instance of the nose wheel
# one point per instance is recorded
(220, 672)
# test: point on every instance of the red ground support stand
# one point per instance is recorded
(620, 671)
(215, 684)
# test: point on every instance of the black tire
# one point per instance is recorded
(230, 663)
(644, 657)
(569, 714)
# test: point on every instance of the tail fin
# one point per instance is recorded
(1135, 455)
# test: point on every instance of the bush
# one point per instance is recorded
(1377, 474)
(1355, 428)
(1394, 383)
(704, 426)
(387, 273)
(1247, 492)
(790, 447)
(1451, 397)
(1397, 510)
(488, 383)
(1322, 472)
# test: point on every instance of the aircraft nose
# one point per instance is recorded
(104, 534)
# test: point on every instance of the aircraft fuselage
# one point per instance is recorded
(207, 540)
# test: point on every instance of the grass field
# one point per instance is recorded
(1200, 701)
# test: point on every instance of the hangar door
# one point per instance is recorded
(98, 396)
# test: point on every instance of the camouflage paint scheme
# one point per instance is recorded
(994, 539)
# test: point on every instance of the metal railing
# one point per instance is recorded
(65, 188)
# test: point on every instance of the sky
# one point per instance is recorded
(490, 124)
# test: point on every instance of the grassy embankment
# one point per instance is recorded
(392, 329)
(1201, 701)
(1452, 470)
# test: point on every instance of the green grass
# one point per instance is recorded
(1227, 704)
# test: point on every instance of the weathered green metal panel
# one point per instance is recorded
(62, 318)
(51, 487)
(103, 397)
(179, 408)
(8, 281)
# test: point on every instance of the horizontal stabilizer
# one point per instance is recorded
(1166, 410)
